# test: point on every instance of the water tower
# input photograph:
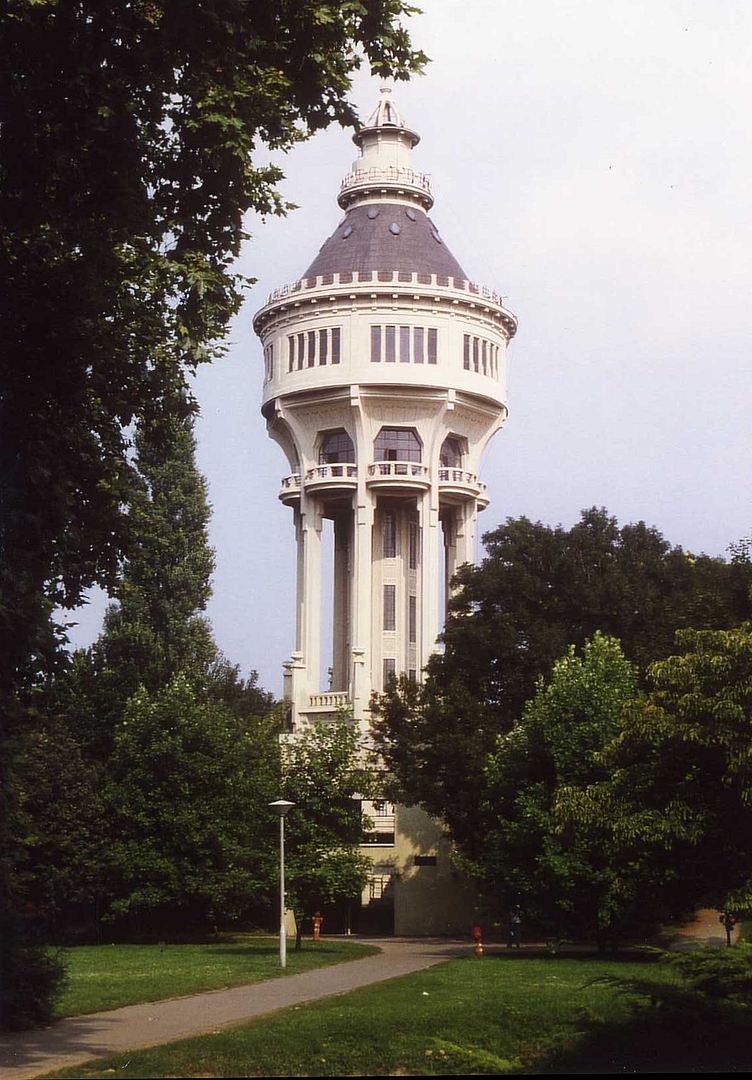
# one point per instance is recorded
(384, 380)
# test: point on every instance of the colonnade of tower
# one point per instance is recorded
(384, 382)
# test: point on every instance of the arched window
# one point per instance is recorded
(397, 444)
(450, 455)
(336, 447)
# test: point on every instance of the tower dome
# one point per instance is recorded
(386, 224)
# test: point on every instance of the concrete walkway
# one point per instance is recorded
(70, 1042)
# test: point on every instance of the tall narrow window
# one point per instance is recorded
(412, 619)
(413, 546)
(389, 536)
(432, 345)
(404, 344)
(485, 357)
(390, 333)
(418, 345)
(389, 670)
(301, 351)
(323, 346)
(336, 340)
(291, 352)
(466, 352)
(475, 354)
(311, 348)
(375, 344)
(390, 607)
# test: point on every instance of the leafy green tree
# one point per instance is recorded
(156, 630)
(561, 875)
(130, 129)
(187, 807)
(63, 844)
(156, 634)
(126, 167)
(538, 591)
(326, 775)
(677, 798)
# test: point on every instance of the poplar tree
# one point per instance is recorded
(179, 751)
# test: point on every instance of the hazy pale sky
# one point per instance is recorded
(591, 161)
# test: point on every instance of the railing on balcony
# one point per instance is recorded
(460, 476)
(399, 470)
(291, 484)
(344, 471)
(375, 175)
(332, 699)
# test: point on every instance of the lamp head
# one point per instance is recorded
(281, 806)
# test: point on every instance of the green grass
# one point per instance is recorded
(104, 977)
(500, 1014)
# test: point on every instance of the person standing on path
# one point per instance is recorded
(515, 927)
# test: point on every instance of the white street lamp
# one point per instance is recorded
(282, 806)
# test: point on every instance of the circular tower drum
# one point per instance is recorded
(384, 380)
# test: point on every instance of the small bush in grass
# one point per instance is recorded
(32, 976)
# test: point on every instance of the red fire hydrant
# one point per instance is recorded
(478, 935)
(317, 921)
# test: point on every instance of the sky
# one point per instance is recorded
(591, 162)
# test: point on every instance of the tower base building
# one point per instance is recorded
(384, 380)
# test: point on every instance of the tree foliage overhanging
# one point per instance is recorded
(130, 134)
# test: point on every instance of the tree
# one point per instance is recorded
(324, 772)
(538, 591)
(126, 166)
(156, 655)
(677, 797)
(191, 840)
(127, 148)
(156, 630)
(564, 876)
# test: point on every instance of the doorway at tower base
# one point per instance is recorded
(416, 890)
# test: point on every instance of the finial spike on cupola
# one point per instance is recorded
(386, 113)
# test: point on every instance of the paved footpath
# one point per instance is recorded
(71, 1042)
(706, 929)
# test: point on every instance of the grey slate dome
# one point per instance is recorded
(385, 236)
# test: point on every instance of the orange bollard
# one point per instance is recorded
(478, 935)
(317, 921)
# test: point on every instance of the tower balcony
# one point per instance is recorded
(332, 478)
(375, 180)
(398, 476)
(459, 485)
(290, 491)
(321, 478)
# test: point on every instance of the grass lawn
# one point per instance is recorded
(500, 1014)
(107, 976)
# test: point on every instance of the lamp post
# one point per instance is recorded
(282, 806)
